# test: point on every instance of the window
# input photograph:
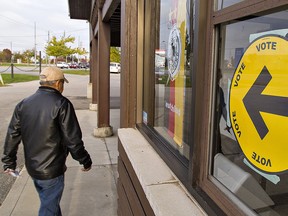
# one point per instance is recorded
(190, 113)
(167, 82)
(172, 75)
(249, 147)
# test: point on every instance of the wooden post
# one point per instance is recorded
(129, 26)
(103, 79)
(94, 71)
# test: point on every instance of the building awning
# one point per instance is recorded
(80, 9)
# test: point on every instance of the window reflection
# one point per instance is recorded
(226, 3)
(173, 75)
(250, 167)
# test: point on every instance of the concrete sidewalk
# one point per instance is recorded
(86, 193)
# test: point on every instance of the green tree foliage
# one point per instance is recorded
(56, 47)
(28, 54)
(18, 55)
(81, 51)
(114, 54)
(25, 56)
(59, 48)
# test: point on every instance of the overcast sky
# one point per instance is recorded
(18, 19)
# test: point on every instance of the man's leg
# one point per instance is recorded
(50, 193)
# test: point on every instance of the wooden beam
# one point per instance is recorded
(128, 63)
(103, 78)
(100, 3)
(96, 30)
(94, 15)
(245, 8)
(94, 69)
(109, 8)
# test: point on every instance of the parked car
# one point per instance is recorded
(74, 65)
(83, 65)
(115, 67)
(62, 65)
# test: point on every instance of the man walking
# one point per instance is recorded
(47, 125)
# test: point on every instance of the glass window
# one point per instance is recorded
(172, 117)
(220, 4)
(250, 143)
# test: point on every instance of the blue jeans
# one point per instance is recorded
(50, 193)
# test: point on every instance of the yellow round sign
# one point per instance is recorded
(259, 103)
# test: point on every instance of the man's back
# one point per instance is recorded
(41, 131)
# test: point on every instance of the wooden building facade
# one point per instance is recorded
(203, 103)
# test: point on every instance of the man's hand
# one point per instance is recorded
(87, 169)
(12, 172)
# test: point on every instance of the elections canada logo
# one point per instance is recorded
(259, 101)
(174, 52)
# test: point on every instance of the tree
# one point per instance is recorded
(81, 51)
(2, 57)
(114, 54)
(7, 55)
(28, 54)
(18, 55)
(58, 48)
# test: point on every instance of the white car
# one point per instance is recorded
(62, 65)
(115, 67)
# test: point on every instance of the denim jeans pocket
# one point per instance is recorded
(45, 184)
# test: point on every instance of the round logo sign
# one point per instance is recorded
(174, 52)
(259, 103)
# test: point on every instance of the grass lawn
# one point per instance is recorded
(17, 78)
(26, 78)
(18, 65)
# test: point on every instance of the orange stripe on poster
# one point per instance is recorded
(180, 80)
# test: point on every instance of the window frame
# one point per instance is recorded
(216, 191)
(179, 164)
(195, 175)
(188, 172)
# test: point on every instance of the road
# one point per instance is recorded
(75, 90)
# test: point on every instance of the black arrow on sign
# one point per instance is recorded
(256, 102)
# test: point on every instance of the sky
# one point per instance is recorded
(24, 23)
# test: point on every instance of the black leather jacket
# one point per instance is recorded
(48, 127)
